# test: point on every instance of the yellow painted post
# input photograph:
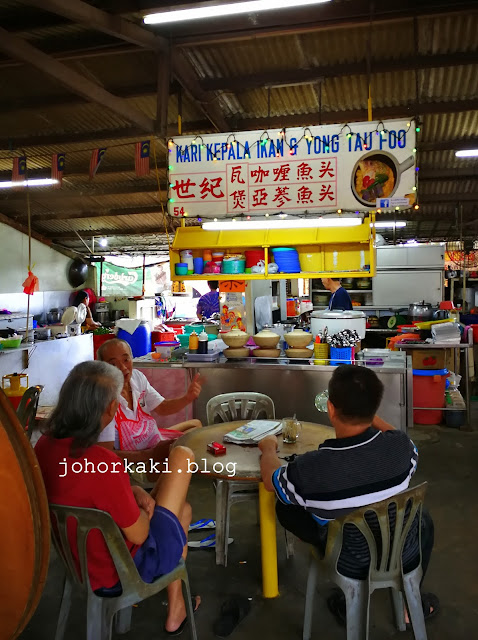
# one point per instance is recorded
(267, 513)
(369, 104)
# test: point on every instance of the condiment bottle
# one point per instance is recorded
(203, 340)
(193, 342)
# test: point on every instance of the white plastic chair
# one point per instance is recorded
(385, 571)
(101, 609)
(229, 407)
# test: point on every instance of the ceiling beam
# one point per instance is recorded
(57, 196)
(290, 77)
(454, 143)
(468, 173)
(18, 48)
(309, 20)
(110, 233)
(93, 18)
(118, 27)
(81, 171)
(434, 198)
(121, 133)
(95, 213)
(355, 115)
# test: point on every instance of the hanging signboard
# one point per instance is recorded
(125, 282)
(313, 169)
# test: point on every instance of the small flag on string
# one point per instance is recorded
(30, 285)
(57, 168)
(19, 171)
(96, 158)
(141, 158)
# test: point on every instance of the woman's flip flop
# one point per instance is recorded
(207, 543)
(202, 524)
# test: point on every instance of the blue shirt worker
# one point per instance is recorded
(340, 299)
(208, 304)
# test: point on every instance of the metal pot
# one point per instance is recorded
(54, 316)
(209, 327)
(420, 311)
(42, 333)
(441, 314)
(116, 314)
(102, 316)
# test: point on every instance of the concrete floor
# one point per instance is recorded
(448, 461)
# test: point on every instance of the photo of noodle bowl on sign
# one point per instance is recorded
(377, 175)
(313, 170)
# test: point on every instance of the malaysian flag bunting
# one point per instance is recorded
(141, 158)
(19, 171)
(96, 158)
(57, 168)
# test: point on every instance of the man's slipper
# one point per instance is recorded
(180, 629)
(207, 543)
(233, 611)
(337, 606)
(431, 606)
(199, 525)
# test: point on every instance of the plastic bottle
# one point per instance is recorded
(193, 342)
(203, 340)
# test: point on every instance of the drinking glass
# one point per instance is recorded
(321, 401)
(291, 428)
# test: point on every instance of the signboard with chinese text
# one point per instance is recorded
(318, 170)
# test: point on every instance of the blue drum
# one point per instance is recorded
(139, 341)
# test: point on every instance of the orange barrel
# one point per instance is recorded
(429, 391)
(14, 391)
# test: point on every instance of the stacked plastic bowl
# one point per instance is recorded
(287, 259)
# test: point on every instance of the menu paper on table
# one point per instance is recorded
(253, 431)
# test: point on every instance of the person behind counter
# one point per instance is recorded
(83, 298)
(340, 299)
(367, 462)
(208, 304)
(133, 433)
(154, 526)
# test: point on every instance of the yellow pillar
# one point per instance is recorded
(267, 512)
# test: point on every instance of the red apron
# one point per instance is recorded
(142, 433)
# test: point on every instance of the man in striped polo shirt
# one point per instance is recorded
(369, 461)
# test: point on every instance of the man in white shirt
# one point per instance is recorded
(134, 433)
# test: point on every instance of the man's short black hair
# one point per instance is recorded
(356, 393)
(213, 284)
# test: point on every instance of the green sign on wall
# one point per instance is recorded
(119, 281)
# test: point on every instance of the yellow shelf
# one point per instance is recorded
(338, 252)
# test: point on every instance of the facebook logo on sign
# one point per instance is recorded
(383, 203)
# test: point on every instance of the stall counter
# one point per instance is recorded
(292, 387)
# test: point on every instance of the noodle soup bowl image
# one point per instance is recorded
(377, 175)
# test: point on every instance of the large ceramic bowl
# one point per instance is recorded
(266, 339)
(298, 339)
(235, 338)
(266, 353)
(299, 353)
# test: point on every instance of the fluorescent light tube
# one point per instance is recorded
(37, 182)
(467, 153)
(252, 6)
(301, 223)
(390, 225)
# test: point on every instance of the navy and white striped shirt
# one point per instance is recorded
(348, 473)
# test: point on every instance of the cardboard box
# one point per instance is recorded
(427, 358)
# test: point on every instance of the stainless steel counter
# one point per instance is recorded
(291, 385)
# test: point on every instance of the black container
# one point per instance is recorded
(202, 343)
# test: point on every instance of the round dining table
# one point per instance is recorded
(242, 463)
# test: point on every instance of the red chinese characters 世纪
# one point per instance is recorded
(236, 175)
(259, 198)
(326, 169)
(259, 174)
(281, 173)
(182, 188)
(282, 196)
(326, 191)
(213, 187)
(304, 171)
(239, 199)
(304, 195)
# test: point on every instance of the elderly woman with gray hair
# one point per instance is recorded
(80, 473)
